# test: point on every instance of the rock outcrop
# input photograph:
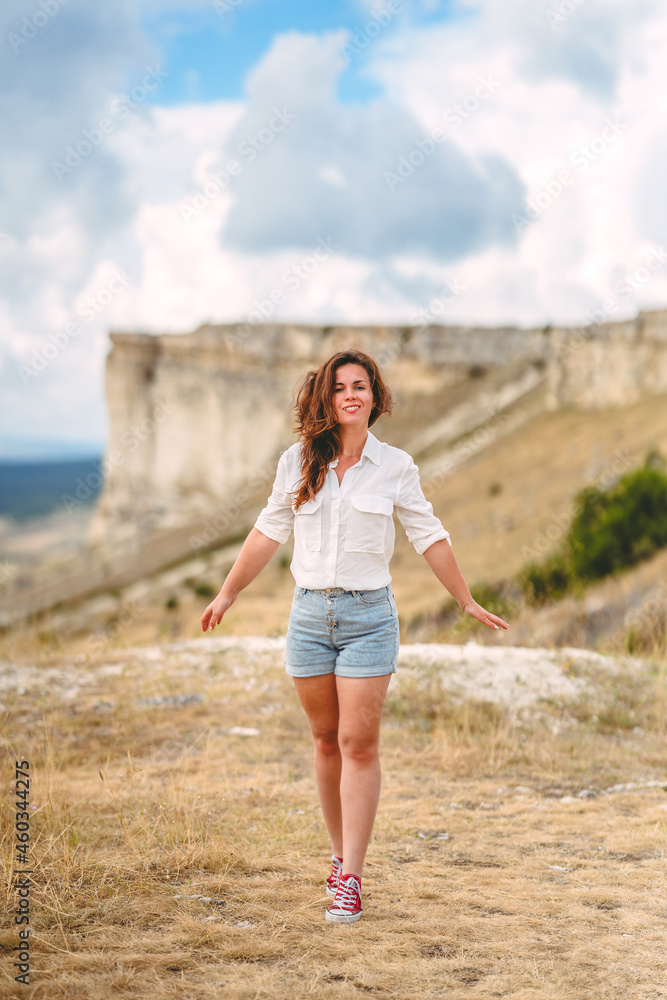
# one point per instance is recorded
(196, 421)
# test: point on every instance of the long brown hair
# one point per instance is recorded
(316, 420)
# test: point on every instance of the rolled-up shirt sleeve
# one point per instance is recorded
(415, 512)
(276, 520)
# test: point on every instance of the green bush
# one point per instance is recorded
(547, 581)
(619, 527)
(611, 530)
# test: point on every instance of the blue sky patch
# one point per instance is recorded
(210, 51)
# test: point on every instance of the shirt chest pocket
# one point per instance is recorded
(368, 523)
(308, 524)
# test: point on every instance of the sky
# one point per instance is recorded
(166, 164)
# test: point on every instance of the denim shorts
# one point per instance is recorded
(351, 633)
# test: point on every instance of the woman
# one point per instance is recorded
(337, 488)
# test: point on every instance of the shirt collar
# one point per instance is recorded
(370, 450)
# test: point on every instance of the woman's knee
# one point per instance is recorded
(356, 746)
(326, 742)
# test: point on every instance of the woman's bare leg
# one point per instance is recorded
(319, 698)
(360, 703)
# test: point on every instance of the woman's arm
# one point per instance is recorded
(442, 561)
(251, 560)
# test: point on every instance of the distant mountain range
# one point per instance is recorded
(23, 450)
(34, 488)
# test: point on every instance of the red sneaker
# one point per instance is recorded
(346, 905)
(336, 869)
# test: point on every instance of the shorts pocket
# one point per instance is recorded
(308, 524)
(373, 597)
(368, 523)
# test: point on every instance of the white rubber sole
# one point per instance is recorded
(340, 918)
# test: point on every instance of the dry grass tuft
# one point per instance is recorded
(174, 859)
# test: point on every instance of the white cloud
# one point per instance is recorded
(400, 192)
(323, 175)
(569, 260)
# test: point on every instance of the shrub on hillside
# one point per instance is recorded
(611, 530)
(617, 528)
(547, 581)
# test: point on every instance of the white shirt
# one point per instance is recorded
(344, 537)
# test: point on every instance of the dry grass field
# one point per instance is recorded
(177, 857)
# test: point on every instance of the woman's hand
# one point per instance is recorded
(216, 611)
(485, 617)
(441, 559)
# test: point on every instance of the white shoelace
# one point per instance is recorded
(336, 869)
(346, 896)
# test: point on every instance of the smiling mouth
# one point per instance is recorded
(352, 409)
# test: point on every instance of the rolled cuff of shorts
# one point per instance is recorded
(422, 544)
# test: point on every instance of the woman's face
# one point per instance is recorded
(353, 396)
